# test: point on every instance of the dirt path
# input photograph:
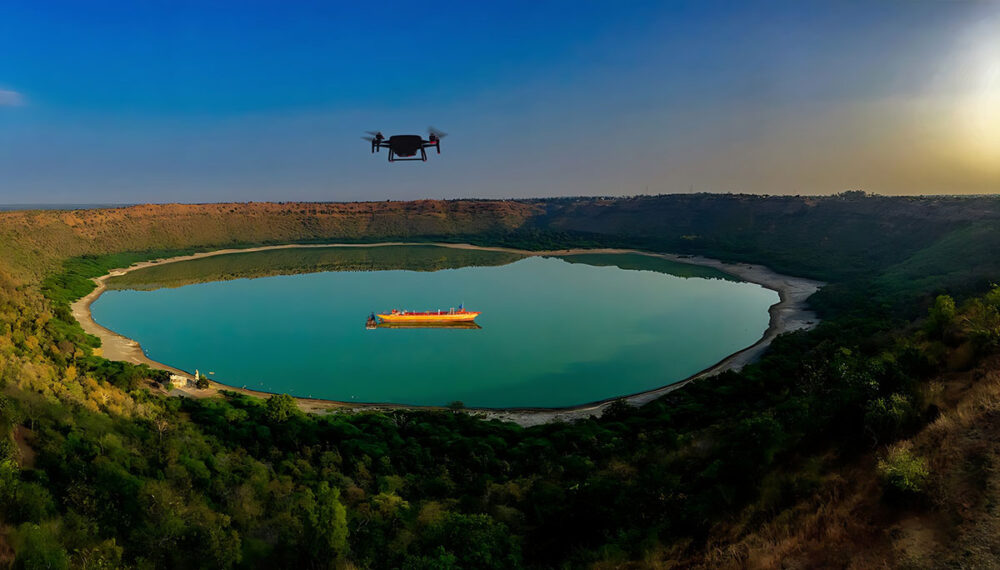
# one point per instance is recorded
(788, 314)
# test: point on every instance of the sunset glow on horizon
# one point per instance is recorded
(981, 112)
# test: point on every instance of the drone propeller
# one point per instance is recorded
(375, 139)
(435, 137)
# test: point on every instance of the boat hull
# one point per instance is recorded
(451, 326)
(443, 318)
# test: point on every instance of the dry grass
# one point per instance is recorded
(848, 523)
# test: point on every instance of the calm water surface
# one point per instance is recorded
(555, 331)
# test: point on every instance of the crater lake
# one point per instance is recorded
(554, 331)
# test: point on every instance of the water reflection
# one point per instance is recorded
(294, 261)
(446, 326)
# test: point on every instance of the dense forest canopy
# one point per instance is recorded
(100, 470)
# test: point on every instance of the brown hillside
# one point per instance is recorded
(847, 523)
(34, 240)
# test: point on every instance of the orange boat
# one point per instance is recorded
(398, 317)
(461, 325)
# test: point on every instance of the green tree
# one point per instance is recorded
(474, 541)
(941, 315)
(330, 520)
(992, 298)
(440, 560)
(982, 323)
(37, 548)
(280, 407)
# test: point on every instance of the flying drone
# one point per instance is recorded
(406, 146)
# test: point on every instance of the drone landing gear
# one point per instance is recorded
(394, 158)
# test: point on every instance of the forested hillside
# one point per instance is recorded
(869, 438)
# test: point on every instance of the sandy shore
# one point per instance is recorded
(788, 314)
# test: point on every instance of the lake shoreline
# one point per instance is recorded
(788, 314)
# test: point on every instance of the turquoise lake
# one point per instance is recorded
(554, 331)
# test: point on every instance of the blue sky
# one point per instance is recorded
(215, 101)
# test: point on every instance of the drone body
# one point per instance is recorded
(406, 147)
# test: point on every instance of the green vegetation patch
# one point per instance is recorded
(75, 279)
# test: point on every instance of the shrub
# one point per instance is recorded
(618, 410)
(888, 417)
(902, 471)
(982, 324)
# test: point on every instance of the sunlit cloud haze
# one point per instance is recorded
(265, 101)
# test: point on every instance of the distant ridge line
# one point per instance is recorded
(14, 207)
